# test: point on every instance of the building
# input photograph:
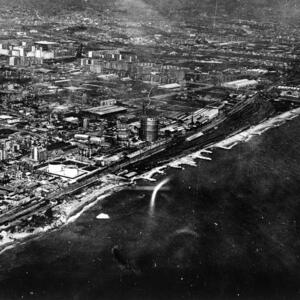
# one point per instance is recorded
(240, 84)
(45, 45)
(170, 86)
(106, 108)
(149, 129)
(108, 102)
(67, 171)
(3, 154)
(39, 154)
(14, 61)
(8, 145)
(85, 123)
(41, 50)
(4, 50)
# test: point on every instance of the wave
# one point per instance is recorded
(85, 208)
(259, 129)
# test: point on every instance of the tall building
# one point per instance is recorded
(85, 123)
(39, 154)
(14, 61)
(149, 129)
(3, 154)
(34, 153)
(8, 145)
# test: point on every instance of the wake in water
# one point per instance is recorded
(154, 194)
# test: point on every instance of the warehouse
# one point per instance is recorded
(240, 84)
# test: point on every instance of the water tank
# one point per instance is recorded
(149, 129)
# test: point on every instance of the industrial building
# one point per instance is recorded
(240, 84)
(62, 170)
(104, 110)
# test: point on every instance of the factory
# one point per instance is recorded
(69, 170)
(106, 108)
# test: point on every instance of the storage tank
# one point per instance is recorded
(149, 129)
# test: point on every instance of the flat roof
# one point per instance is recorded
(241, 81)
(5, 117)
(170, 86)
(105, 110)
(65, 171)
(45, 43)
(74, 88)
(44, 70)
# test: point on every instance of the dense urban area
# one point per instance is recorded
(89, 99)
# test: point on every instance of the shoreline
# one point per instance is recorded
(230, 141)
(69, 212)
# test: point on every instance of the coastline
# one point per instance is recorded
(68, 213)
(226, 144)
(72, 210)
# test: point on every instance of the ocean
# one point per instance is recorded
(228, 228)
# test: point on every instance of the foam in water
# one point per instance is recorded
(246, 135)
(85, 208)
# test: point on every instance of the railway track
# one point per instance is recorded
(22, 212)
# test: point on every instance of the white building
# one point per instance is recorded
(3, 51)
(240, 84)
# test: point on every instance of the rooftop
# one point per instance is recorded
(106, 110)
(45, 43)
